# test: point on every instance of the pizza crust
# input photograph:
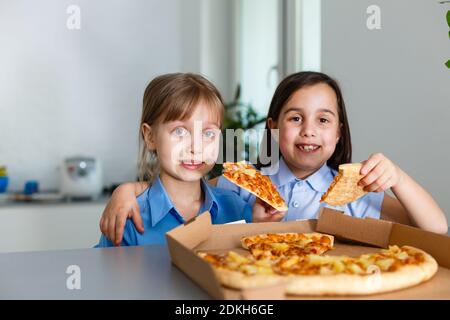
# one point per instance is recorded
(238, 280)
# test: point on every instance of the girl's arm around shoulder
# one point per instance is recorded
(129, 237)
(122, 205)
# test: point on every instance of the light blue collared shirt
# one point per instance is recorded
(303, 196)
(159, 214)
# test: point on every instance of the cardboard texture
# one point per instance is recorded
(366, 236)
(368, 231)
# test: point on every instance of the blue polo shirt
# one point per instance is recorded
(159, 214)
(303, 195)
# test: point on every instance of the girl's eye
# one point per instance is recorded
(296, 119)
(180, 131)
(324, 120)
(209, 134)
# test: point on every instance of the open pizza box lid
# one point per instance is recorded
(353, 236)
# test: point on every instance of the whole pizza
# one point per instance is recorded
(297, 261)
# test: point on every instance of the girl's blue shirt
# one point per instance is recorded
(159, 214)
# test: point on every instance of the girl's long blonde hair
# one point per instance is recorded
(173, 97)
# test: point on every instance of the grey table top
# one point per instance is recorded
(111, 273)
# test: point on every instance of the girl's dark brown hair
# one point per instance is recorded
(289, 85)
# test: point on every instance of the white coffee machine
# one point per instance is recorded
(81, 177)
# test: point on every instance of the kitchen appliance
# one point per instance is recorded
(81, 177)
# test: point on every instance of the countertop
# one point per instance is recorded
(10, 203)
(111, 273)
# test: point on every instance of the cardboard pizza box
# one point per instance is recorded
(353, 236)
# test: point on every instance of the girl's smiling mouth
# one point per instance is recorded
(308, 148)
(191, 164)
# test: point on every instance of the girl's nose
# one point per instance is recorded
(196, 144)
(308, 129)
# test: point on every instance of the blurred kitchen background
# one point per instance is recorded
(71, 90)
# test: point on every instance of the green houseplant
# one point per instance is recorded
(238, 115)
(448, 23)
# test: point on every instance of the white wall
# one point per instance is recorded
(395, 83)
(66, 92)
(259, 40)
(216, 57)
(310, 34)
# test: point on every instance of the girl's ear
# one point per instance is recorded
(273, 127)
(148, 133)
(271, 124)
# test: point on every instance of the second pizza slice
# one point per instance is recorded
(250, 179)
(344, 188)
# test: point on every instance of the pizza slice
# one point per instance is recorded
(250, 179)
(274, 245)
(344, 188)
